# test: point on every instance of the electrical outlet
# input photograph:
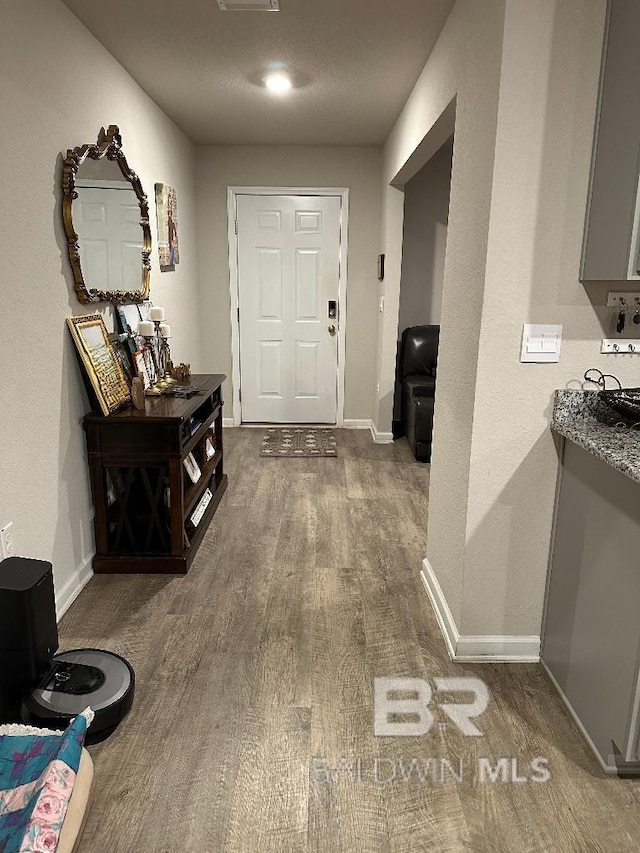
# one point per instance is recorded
(6, 540)
(620, 346)
(617, 297)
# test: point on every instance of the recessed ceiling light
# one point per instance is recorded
(277, 82)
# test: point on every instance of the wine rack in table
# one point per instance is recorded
(150, 515)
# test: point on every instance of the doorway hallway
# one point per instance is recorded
(424, 245)
(258, 666)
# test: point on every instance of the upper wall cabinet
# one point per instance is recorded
(612, 234)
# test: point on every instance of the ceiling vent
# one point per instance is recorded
(249, 5)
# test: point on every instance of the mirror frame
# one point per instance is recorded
(109, 145)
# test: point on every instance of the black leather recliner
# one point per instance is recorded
(417, 374)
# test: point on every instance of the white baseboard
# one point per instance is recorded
(73, 587)
(380, 437)
(475, 649)
(507, 648)
(347, 423)
(440, 607)
(356, 423)
(611, 769)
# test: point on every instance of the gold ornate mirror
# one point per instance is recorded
(106, 219)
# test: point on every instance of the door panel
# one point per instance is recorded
(268, 220)
(270, 369)
(307, 285)
(306, 384)
(288, 270)
(270, 267)
(308, 222)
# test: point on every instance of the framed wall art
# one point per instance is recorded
(103, 371)
(141, 368)
(124, 356)
(128, 318)
(167, 217)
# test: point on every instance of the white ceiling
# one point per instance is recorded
(355, 63)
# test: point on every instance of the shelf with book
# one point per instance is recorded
(193, 491)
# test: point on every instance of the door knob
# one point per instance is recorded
(332, 330)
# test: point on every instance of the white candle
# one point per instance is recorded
(145, 328)
(165, 330)
(156, 313)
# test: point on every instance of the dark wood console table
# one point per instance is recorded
(149, 515)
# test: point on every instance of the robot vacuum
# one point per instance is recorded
(102, 680)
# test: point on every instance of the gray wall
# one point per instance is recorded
(464, 68)
(58, 85)
(525, 79)
(359, 169)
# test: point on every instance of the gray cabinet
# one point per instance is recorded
(610, 250)
(591, 633)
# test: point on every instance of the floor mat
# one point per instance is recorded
(298, 441)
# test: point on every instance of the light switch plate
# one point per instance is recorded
(541, 343)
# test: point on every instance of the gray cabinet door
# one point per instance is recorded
(616, 153)
(591, 642)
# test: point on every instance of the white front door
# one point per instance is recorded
(288, 273)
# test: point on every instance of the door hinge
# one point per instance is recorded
(238, 314)
(236, 226)
(240, 395)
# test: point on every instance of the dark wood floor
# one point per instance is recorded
(255, 674)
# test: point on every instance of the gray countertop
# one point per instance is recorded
(583, 418)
